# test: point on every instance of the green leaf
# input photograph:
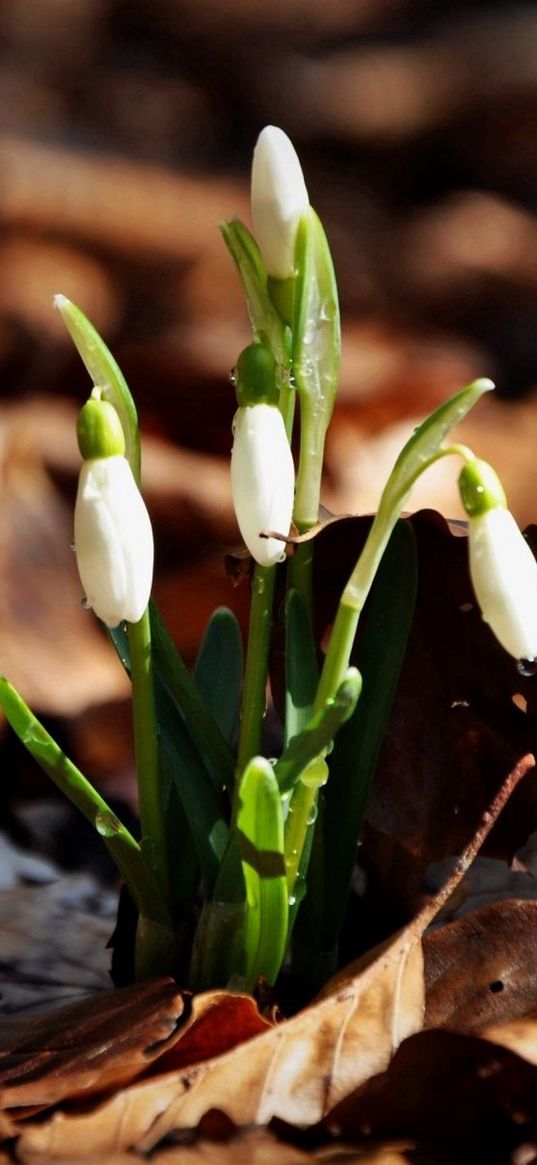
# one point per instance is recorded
(301, 669)
(316, 352)
(105, 373)
(266, 323)
(319, 733)
(357, 746)
(261, 842)
(184, 764)
(218, 670)
(202, 727)
(123, 848)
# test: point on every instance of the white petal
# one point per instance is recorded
(262, 480)
(113, 541)
(279, 199)
(504, 577)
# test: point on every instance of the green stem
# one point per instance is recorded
(343, 634)
(147, 753)
(300, 572)
(254, 696)
(299, 820)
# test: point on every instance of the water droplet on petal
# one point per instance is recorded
(85, 603)
(527, 667)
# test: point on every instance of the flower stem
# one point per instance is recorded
(146, 752)
(253, 701)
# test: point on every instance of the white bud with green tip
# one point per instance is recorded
(262, 469)
(502, 567)
(113, 535)
(279, 199)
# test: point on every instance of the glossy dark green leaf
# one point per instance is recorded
(357, 746)
(301, 669)
(184, 764)
(202, 727)
(218, 670)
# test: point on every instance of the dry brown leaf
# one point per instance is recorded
(87, 1047)
(482, 969)
(520, 1036)
(459, 1095)
(256, 1147)
(296, 1071)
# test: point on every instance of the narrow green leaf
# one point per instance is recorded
(73, 784)
(105, 372)
(201, 725)
(319, 733)
(218, 670)
(301, 669)
(266, 323)
(316, 352)
(356, 750)
(260, 834)
(184, 764)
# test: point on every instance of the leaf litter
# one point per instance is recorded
(300, 1071)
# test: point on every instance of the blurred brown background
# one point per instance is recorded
(126, 132)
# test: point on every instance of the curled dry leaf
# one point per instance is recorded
(87, 1047)
(482, 969)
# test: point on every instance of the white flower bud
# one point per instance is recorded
(262, 480)
(504, 578)
(113, 541)
(279, 199)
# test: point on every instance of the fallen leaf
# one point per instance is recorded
(87, 1047)
(482, 969)
(457, 1094)
(520, 1036)
(297, 1070)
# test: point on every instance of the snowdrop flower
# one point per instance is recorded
(278, 198)
(262, 469)
(502, 567)
(113, 535)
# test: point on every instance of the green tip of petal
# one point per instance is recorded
(99, 430)
(256, 376)
(480, 488)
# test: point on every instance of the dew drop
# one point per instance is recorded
(233, 376)
(85, 603)
(312, 816)
(292, 900)
(107, 825)
(527, 667)
(259, 585)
